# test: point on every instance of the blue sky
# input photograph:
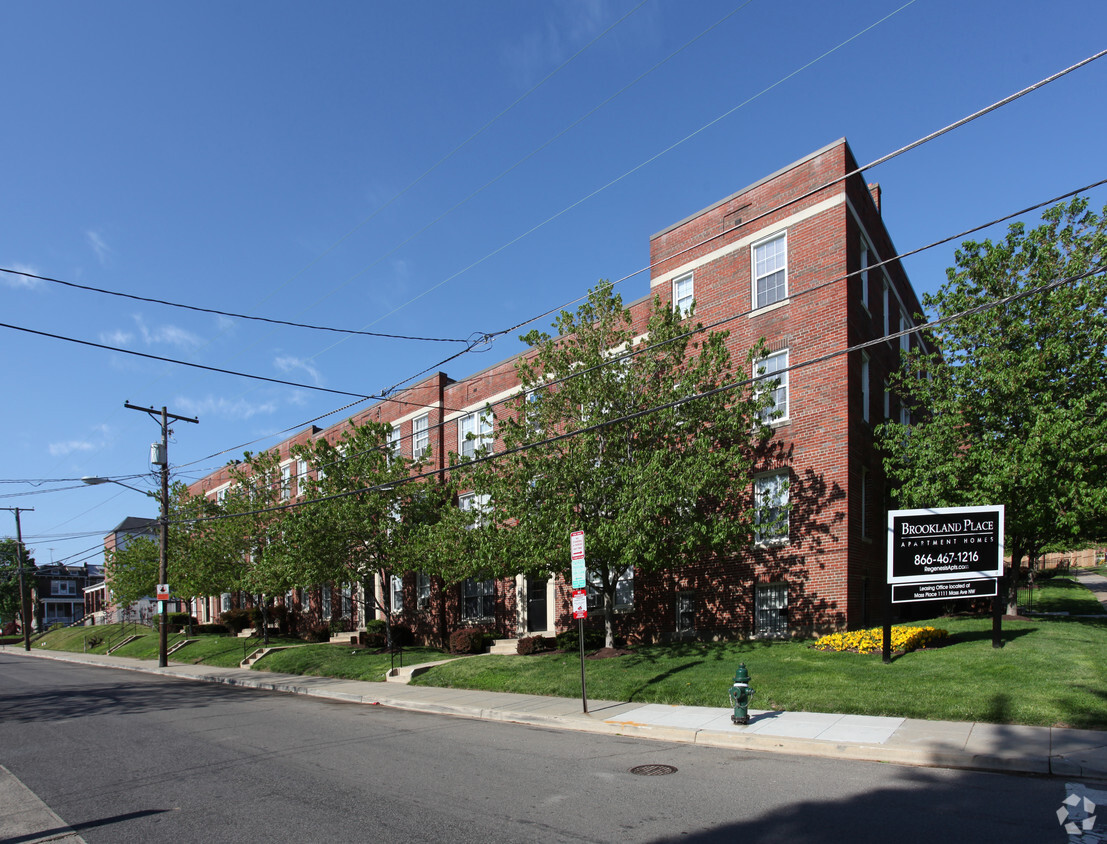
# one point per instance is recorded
(439, 169)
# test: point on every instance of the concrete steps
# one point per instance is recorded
(504, 646)
(259, 653)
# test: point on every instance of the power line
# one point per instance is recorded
(725, 388)
(217, 312)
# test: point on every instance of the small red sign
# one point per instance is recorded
(163, 591)
(576, 544)
(580, 603)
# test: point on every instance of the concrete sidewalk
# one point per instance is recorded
(905, 741)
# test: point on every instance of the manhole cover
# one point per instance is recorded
(653, 770)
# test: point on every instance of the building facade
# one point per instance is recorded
(60, 593)
(800, 260)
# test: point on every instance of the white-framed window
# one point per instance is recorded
(624, 591)
(347, 600)
(221, 496)
(325, 601)
(864, 273)
(478, 599)
(905, 339)
(772, 374)
(286, 482)
(864, 387)
(683, 294)
(395, 441)
(396, 594)
(420, 435)
(479, 425)
(301, 468)
(771, 502)
(887, 401)
(422, 589)
(472, 502)
(770, 271)
(63, 587)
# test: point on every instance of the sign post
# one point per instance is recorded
(943, 554)
(580, 601)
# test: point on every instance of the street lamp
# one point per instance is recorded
(163, 556)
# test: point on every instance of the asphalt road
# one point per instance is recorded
(126, 757)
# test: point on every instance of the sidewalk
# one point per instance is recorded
(988, 747)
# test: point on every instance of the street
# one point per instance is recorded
(128, 757)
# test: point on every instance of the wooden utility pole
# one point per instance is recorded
(160, 456)
(20, 556)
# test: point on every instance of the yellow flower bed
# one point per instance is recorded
(872, 640)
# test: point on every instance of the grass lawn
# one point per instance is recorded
(1060, 594)
(1048, 673)
(343, 661)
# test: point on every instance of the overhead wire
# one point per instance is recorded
(606, 423)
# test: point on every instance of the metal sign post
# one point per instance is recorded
(580, 601)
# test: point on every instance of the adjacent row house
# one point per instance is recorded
(800, 259)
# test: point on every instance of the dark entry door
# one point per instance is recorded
(536, 605)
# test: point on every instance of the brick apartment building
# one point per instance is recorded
(794, 259)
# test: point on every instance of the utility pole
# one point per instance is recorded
(20, 556)
(159, 455)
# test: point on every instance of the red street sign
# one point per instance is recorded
(576, 544)
(580, 603)
(163, 591)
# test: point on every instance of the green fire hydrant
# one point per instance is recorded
(740, 694)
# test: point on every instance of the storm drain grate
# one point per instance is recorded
(653, 770)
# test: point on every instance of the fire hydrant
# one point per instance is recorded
(740, 694)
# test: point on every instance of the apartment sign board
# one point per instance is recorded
(945, 544)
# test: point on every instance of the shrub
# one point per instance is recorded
(94, 641)
(534, 645)
(180, 619)
(210, 629)
(237, 620)
(569, 640)
(317, 633)
(468, 640)
(872, 640)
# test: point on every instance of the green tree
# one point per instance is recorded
(10, 605)
(1012, 401)
(361, 524)
(653, 491)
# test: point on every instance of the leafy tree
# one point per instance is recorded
(363, 525)
(1012, 402)
(655, 491)
(10, 604)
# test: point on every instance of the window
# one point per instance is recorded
(772, 371)
(420, 435)
(397, 594)
(770, 271)
(685, 612)
(479, 425)
(63, 587)
(904, 340)
(682, 294)
(864, 387)
(471, 501)
(422, 589)
(347, 600)
(864, 273)
(325, 593)
(286, 482)
(887, 401)
(624, 591)
(887, 308)
(395, 441)
(771, 501)
(478, 599)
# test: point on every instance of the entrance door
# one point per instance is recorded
(536, 605)
(771, 610)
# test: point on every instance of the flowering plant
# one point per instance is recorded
(872, 640)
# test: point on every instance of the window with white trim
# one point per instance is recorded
(478, 599)
(624, 591)
(63, 587)
(682, 294)
(771, 373)
(771, 502)
(395, 441)
(286, 482)
(905, 339)
(422, 589)
(396, 594)
(887, 307)
(887, 401)
(472, 502)
(864, 387)
(474, 431)
(770, 271)
(420, 435)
